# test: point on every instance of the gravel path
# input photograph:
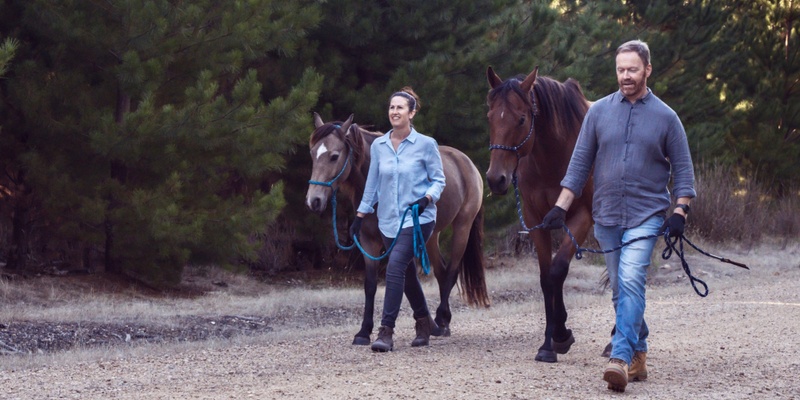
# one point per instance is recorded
(740, 342)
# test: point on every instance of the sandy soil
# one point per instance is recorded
(740, 342)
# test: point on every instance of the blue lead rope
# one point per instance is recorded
(420, 251)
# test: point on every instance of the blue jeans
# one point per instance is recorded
(627, 273)
(401, 276)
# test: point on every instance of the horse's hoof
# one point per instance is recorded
(444, 331)
(548, 356)
(607, 351)
(437, 331)
(361, 341)
(563, 347)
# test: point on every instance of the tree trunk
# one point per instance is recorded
(117, 172)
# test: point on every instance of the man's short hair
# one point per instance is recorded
(637, 46)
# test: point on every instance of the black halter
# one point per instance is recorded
(516, 148)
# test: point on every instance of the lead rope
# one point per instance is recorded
(666, 254)
(420, 252)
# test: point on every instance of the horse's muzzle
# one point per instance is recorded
(316, 204)
(498, 184)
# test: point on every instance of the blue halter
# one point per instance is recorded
(339, 175)
(333, 196)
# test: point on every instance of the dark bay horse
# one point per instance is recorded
(534, 123)
(340, 153)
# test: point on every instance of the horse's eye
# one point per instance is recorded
(521, 121)
(334, 157)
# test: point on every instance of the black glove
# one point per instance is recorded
(422, 203)
(675, 224)
(355, 227)
(554, 219)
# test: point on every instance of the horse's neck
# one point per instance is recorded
(549, 159)
(353, 186)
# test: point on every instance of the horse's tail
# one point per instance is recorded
(473, 277)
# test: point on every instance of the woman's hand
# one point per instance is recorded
(422, 203)
(355, 228)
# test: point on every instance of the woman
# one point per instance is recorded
(405, 169)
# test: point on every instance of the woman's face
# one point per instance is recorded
(400, 114)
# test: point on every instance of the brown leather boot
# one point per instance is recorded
(616, 374)
(638, 370)
(384, 341)
(424, 327)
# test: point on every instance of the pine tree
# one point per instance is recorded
(146, 133)
(761, 76)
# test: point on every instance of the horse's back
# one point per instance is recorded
(463, 191)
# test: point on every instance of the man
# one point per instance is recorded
(635, 143)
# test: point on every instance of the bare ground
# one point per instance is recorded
(740, 342)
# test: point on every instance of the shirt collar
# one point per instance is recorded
(644, 98)
(412, 137)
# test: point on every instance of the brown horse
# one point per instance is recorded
(340, 153)
(534, 123)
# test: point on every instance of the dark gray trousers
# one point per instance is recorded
(401, 276)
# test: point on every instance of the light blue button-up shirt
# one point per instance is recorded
(397, 179)
(634, 148)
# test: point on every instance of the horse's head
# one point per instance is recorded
(511, 126)
(331, 158)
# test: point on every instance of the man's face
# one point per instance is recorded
(632, 75)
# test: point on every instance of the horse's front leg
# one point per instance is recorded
(373, 247)
(542, 243)
(579, 224)
(362, 338)
(562, 337)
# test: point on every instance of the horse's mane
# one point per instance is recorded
(561, 106)
(358, 134)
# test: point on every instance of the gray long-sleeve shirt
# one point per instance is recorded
(631, 147)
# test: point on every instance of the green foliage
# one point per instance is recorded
(760, 78)
(7, 49)
(156, 133)
(142, 127)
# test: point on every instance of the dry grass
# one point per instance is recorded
(67, 299)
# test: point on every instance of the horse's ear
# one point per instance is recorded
(530, 80)
(492, 77)
(346, 124)
(317, 120)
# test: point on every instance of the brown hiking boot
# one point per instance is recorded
(638, 370)
(384, 341)
(616, 374)
(424, 327)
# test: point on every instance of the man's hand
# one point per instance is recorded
(674, 224)
(554, 219)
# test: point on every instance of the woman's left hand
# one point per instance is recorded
(422, 203)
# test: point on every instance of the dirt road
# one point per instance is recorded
(740, 342)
